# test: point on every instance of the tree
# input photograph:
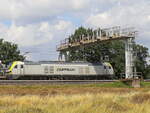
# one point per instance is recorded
(114, 49)
(141, 63)
(9, 52)
(147, 72)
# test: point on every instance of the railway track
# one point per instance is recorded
(35, 82)
(146, 80)
(51, 82)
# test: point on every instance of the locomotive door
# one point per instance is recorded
(15, 69)
(105, 70)
(21, 69)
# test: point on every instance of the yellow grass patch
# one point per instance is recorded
(76, 103)
(73, 99)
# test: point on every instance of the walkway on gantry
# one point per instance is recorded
(100, 36)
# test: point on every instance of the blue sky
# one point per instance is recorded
(37, 26)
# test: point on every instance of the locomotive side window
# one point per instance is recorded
(21, 66)
(109, 67)
(105, 67)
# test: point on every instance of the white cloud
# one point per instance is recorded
(99, 20)
(34, 10)
(148, 17)
(62, 25)
(5, 10)
(37, 22)
(125, 13)
(79, 4)
(122, 14)
(33, 34)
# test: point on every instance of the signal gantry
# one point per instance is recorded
(100, 36)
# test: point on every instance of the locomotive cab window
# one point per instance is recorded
(16, 67)
(109, 67)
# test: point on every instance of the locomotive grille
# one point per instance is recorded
(51, 69)
(87, 70)
(46, 69)
(81, 70)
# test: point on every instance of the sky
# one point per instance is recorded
(37, 26)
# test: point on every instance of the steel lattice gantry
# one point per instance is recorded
(100, 36)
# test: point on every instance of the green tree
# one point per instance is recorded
(9, 52)
(147, 72)
(141, 63)
(114, 49)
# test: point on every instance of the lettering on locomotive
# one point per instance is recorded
(65, 69)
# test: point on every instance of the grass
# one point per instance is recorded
(90, 98)
(114, 85)
(145, 84)
(61, 89)
(134, 102)
(68, 89)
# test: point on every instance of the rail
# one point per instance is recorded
(35, 82)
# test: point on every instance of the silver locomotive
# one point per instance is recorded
(60, 70)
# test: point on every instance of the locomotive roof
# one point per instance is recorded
(61, 62)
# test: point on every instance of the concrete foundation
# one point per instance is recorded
(136, 83)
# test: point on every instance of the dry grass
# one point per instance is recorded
(44, 90)
(77, 103)
(140, 98)
(73, 99)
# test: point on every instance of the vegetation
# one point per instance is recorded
(115, 50)
(9, 52)
(43, 90)
(88, 98)
(104, 102)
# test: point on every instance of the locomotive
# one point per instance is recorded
(56, 70)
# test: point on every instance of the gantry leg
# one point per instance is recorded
(63, 56)
(129, 58)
